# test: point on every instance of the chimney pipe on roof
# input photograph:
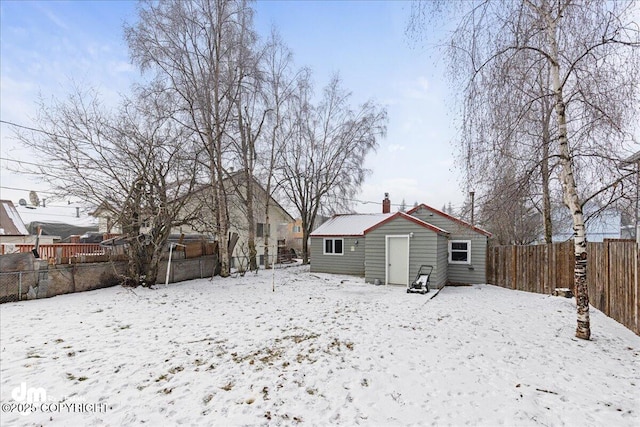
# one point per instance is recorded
(386, 204)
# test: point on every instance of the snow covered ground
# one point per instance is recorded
(320, 350)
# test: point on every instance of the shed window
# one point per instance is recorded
(460, 251)
(333, 246)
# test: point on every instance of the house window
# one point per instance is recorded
(333, 246)
(297, 229)
(261, 229)
(460, 251)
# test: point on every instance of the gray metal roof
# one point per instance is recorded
(360, 224)
(349, 225)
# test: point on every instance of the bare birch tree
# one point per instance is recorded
(195, 48)
(134, 163)
(280, 82)
(248, 119)
(323, 166)
(588, 54)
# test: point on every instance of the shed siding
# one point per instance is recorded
(350, 262)
(476, 272)
(422, 250)
(461, 273)
(442, 262)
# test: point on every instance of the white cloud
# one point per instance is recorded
(423, 83)
(17, 97)
(395, 147)
(417, 88)
(53, 17)
(121, 67)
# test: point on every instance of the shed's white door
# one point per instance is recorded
(398, 260)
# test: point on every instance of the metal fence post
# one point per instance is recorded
(20, 286)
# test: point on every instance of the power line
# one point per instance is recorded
(20, 161)
(31, 129)
(364, 202)
(44, 132)
(371, 202)
(33, 164)
(25, 189)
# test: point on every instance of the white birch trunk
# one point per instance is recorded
(223, 224)
(571, 199)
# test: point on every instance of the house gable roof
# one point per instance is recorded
(237, 178)
(348, 225)
(361, 224)
(11, 223)
(273, 201)
(409, 218)
(449, 217)
(234, 178)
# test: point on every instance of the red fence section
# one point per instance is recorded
(59, 250)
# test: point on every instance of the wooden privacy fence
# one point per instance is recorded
(612, 276)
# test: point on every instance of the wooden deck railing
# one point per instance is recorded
(57, 250)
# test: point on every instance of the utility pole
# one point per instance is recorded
(629, 162)
(472, 194)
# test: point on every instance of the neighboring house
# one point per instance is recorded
(630, 224)
(19, 224)
(295, 235)
(628, 229)
(11, 223)
(390, 248)
(59, 222)
(606, 224)
(276, 228)
(12, 229)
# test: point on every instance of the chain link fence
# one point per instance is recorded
(60, 279)
(15, 285)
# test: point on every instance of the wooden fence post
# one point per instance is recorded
(637, 286)
(514, 267)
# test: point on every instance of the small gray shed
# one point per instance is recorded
(388, 248)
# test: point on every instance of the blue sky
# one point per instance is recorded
(44, 46)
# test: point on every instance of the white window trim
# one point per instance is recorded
(468, 261)
(324, 246)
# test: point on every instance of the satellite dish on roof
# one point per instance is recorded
(22, 202)
(33, 198)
